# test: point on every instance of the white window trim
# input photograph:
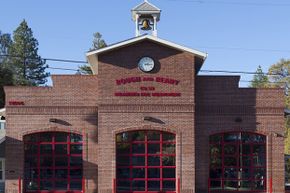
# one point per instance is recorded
(3, 121)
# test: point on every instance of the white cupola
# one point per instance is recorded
(146, 17)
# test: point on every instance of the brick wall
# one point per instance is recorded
(219, 102)
(123, 63)
(117, 114)
(88, 105)
(72, 101)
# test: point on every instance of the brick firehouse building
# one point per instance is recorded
(145, 121)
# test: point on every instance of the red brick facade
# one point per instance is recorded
(197, 107)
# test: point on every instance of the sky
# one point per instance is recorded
(238, 35)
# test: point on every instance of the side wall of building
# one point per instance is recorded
(71, 103)
(222, 107)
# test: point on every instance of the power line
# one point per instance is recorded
(67, 69)
(238, 72)
(65, 60)
(84, 62)
(48, 59)
(201, 2)
(243, 49)
(266, 82)
(206, 71)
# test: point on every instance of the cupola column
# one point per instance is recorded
(137, 33)
(154, 33)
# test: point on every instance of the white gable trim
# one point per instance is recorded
(146, 2)
(149, 37)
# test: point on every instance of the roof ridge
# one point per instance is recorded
(156, 39)
(143, 3)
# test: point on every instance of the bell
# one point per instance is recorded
(146, 25)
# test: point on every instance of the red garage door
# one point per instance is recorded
(145, 162)
(53, 162)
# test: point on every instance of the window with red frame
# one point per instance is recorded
(145, 161)
(53, 162)
(237, 162)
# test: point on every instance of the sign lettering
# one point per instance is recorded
(147, 91)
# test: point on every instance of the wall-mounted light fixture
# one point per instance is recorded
(52, 120)
(279, 135)
(59, 121)
(152, 119)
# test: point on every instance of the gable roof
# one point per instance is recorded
(200, 54)
(145, 6)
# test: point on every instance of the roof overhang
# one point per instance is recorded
(145, 8)
(92, 56)
(148, 37)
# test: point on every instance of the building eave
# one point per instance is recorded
(148, 37)
(136, 8)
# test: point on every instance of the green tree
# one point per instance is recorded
(260, 80)
(85, 69)
(98, 43)
(6, 79)
(5, 43)
(279, 77)
(6, 75)
(287, 136)
(27, 65)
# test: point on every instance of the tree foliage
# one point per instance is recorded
(6, 75)
(287, 136)
(279, 76)
(260, 80)
(6, 79)
(5, 43)
(27, 65)
(85, 69)
(20, 63)
(98, 43)
(280, 73)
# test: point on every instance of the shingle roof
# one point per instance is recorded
(146, 6)
(147, 9)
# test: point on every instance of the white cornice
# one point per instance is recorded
(149, 37)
